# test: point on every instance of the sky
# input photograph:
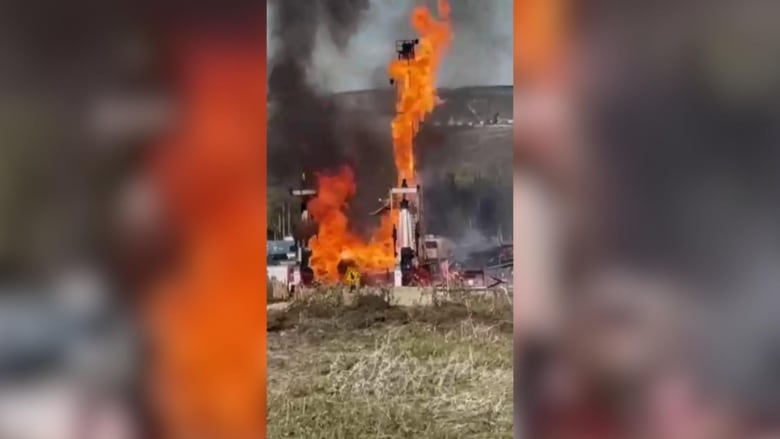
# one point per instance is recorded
(481, 53)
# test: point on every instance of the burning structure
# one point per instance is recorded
(326, 250)
(330, 239)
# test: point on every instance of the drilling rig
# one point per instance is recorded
(405, 206)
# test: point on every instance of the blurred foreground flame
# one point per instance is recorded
(207, 318)
(539, 38)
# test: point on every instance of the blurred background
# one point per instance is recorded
(646, 220)
(88, 89)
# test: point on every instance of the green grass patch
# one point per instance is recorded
(373, 370)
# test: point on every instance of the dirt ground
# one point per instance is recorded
(375, 370)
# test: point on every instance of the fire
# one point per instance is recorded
(416, 79)
(540, 29)
(334, 241)
(416, 98)
(207, 319)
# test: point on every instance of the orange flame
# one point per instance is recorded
(207, 320)
(540, 27)
(334, 241)
(416, 98)
(416, 79)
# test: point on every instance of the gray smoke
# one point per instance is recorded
(470, 242)
(481, 53)
(476, 215)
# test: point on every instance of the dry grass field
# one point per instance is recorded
(371, 369)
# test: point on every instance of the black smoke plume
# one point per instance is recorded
(308, 129)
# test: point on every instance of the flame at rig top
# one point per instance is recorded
(415, 79)
(416, 82)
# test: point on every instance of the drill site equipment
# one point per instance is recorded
(302, 273)
(491, 273)
(405, 205)
(405, 51)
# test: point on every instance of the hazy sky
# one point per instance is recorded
(481, 53)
